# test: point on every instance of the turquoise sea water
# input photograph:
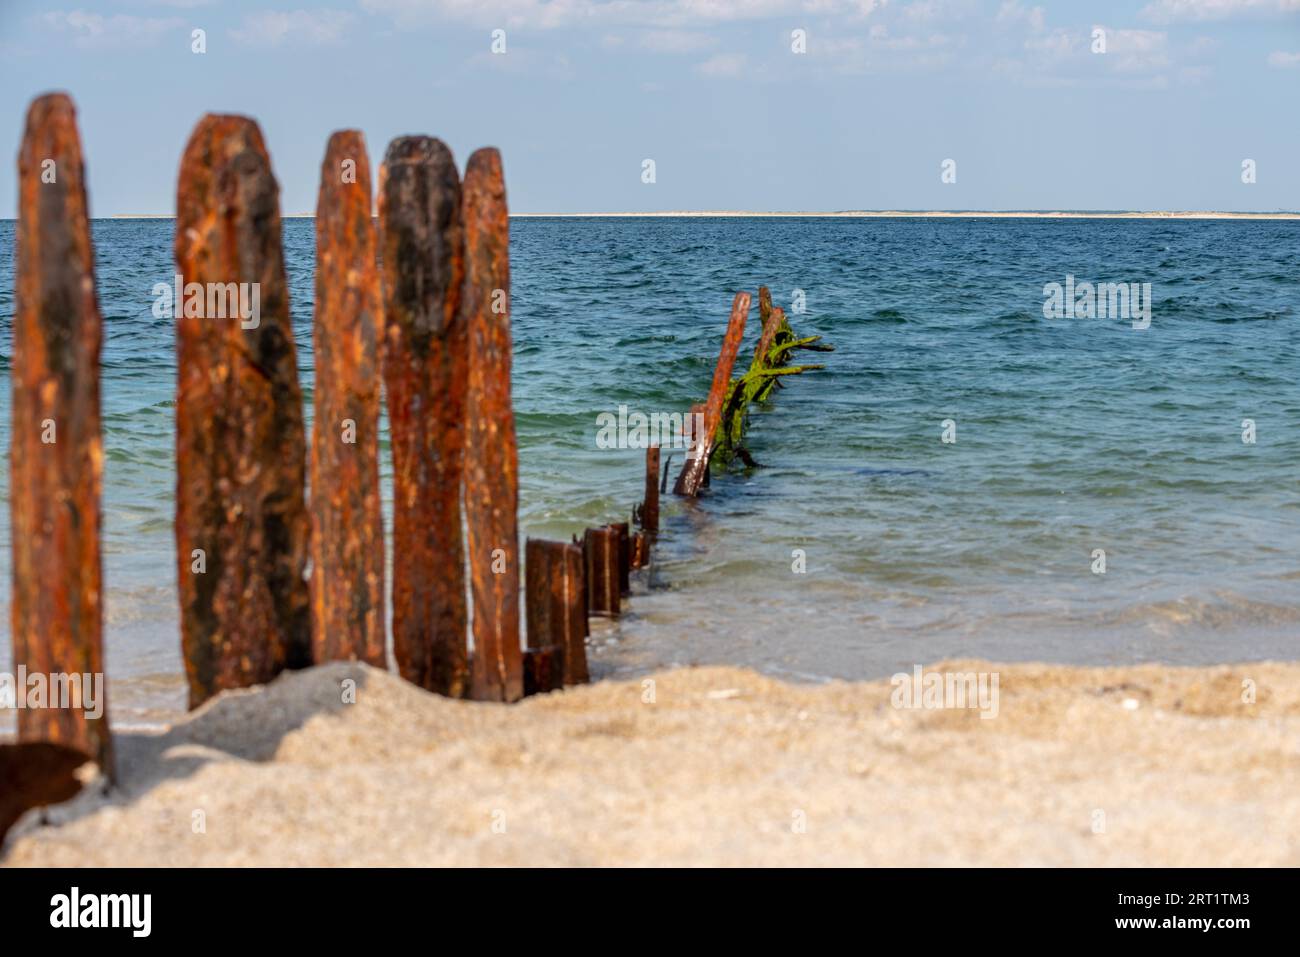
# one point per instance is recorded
(1072, 435)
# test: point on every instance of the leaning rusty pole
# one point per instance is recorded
(347, 543)
(726, 413)
(242, 529)
(56, 453)
(491, 455)
(692, 476)
(425, 376)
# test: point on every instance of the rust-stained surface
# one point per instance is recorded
(422, 242)
(764, 314)
(557, 603)
(242, 528)
(570, 589)
(540, 558)
(600, 552)
(491, 454)
(769, 321)
(694, 473)
(56, 455)
(624, 557)
(640, 549)
(347, 544)
(543, 670)
(649, 514)
(36, 774)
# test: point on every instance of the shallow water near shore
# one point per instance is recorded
(1072, 435)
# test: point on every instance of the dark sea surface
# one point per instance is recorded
(1072, 435)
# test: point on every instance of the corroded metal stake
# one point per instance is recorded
(557, 604)
(695, 472)
(543, 670)
(640, 549)
(424, 374)
(624, 557)
(771, 322)
(347, 545)
(764, 316)
(601, 557)
(242, 528)
(649, 513)
(569, 592)
(55, 453)
(491, 455)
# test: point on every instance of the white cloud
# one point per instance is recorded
(676, 41)
(1170, 11)
(1283, 60)
(660, 14)
(273, 27)
(1012, 12)
(1137, 51)
(89, 30)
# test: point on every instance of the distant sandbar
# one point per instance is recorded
(862, 214)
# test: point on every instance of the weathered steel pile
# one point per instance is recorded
(421, 300)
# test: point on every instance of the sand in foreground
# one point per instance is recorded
(725, 767)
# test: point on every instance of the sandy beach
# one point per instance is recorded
(1147, 765)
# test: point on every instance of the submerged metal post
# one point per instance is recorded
(624, 557)
(694, 473)
(491, 455)
(55, 452)
(600, 551)
(650, 504)
(640, 549)
(772, 319)
(347, 544)
(557, 604)
(424, 375)
(242, 529)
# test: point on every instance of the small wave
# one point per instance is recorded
(1224, 610)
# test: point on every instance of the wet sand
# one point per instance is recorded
(1147, 765)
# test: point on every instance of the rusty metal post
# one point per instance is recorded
(55, 453)
(650, 505)
(539, 628)
(624, 557)
(771, 323)
(424, 375)
(347, 545)
(601, 556)
(491, 454)
(242, 527)
(569, 591)
(557, 604)
(696, 469)
(640, 549)
(543, 670)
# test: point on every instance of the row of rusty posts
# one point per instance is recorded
(609, 553)
(421, 302)
(569, 582)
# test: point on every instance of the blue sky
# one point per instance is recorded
(711, 90)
